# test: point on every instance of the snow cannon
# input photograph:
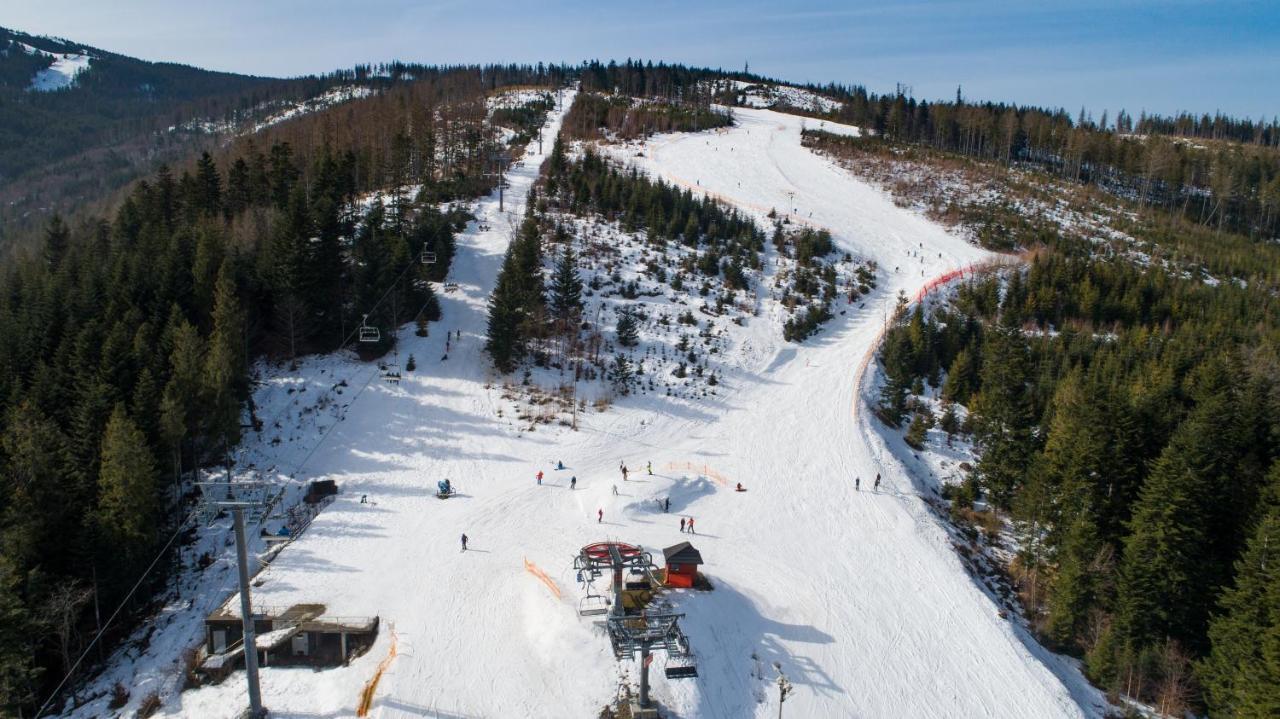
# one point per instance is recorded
(444, 489)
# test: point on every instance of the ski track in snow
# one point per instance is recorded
(857, 595)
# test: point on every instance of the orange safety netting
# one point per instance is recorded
(366, 694)
(533, 569)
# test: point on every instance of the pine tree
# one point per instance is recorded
(566, 288)
(504, 343)
(628, 329)
(224, 364)
(18, 673)
(127, 500)
(1003, 413)
(56, 239)
(208, 187)
(621, 374)
(1241, 675)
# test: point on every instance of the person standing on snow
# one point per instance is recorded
(615, 490)
(649, 467)
(877, 487)
(666, 506)
(682, 524)
(691, 526)
(624, 472)
(464, 542)
(599, 516)
(573, 483)
(857, 484)
(539, 477)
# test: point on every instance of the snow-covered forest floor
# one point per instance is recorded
(857, 596)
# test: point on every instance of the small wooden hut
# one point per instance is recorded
(682, 564)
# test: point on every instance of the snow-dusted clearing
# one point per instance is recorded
(858, 596)
(335, 96)
(766, 95)
(62, 73)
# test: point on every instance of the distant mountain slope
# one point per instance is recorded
(78, 122)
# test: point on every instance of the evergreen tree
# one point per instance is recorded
(127, 500)
(1004, 429)
(18, 672)
(224, 365)
(628, 329)
(1242, 672)
(621, 374)
(566, 288)
(56, 238)
(504, 343)
(208, 187)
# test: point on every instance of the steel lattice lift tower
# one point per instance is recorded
(641, 632)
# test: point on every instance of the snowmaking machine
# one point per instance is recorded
(445, 489)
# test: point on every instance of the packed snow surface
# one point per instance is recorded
(857, 596)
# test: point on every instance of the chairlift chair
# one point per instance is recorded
(367, 332)
(428, 258)
(593, 605)
(681, 669)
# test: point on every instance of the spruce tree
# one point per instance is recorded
(56, 238)
(127, 499)
(504, 343)
(1004, 420)
(566, 288)
(224, 365)
(621, 374)
(1241, 675)
(628, 329)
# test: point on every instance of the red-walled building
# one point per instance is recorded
(682, 564)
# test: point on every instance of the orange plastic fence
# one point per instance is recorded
(931, 285)
(701, 469)
(533, 569)
(366, 694)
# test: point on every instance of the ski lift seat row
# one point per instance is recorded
(369, 333)
(428, 258)
(593, 605)
(681, 671)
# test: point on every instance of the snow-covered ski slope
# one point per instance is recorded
(857, 596)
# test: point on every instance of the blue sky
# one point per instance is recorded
(1136, 54)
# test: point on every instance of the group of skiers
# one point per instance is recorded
(686, 523)
(857, 483)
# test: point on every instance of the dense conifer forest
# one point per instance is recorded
(1128, 422)
(127, 343)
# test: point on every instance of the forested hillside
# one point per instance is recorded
(1218, 172)
(126, 345)
(70, 148)
(1127, 418)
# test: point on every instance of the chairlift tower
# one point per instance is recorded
(642, 632)
(500, 159)
(240, 497)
